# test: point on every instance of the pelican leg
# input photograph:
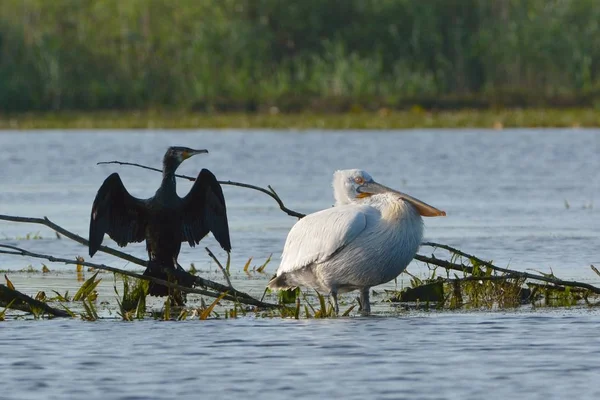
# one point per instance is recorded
(336, 308)
(365, 305)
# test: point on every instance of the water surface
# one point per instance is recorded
(523, 198)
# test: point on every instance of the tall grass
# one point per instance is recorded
(249, 55)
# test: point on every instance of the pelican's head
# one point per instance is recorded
(350, 185)
(175, 155)
(346, 183)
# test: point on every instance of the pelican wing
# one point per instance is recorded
(204, 210)
(317, 237)
(117, 213)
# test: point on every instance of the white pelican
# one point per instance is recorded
(367, 239)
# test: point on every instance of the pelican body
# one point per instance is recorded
(367, 239)
(164, 221)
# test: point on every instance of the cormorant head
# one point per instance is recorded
(176, 154)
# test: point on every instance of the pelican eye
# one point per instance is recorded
(359, 180)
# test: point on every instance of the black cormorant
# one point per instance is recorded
(164, 221)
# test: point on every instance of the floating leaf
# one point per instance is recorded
(262, 267)
(288, 296)
(90, 311)
(87, 288)
(347, 312)
(3, 313)
(306, 312)
(167, 310)
(322, 313)
(140, 310)
(182, 315)
(193, 269)
(71, 313)
(79, 266)
(247, 265)
(433, 291)
(206, 313)
(9, 283)
(61, 297)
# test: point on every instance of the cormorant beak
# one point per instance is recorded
(371, 188)
(191, 152)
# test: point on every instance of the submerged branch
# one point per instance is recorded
(198, 281)
(510, 272)
(13, 250)
(20, 301)
(270, 192)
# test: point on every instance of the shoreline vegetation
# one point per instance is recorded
(314, 56)
(356, 118)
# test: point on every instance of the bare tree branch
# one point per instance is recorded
(271, 192)
(45, 221)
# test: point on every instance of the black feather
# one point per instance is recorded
(117, 213)
(205, 211)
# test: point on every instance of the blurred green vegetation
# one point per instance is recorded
(297, 55)
(382, 119)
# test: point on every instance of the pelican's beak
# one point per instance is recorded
(371, 188)
(191, 152)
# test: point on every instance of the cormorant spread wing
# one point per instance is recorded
(117, 213)
(204, 210)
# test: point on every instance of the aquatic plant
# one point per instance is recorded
(87, 295)
(3, 312)
(485, 285)
(206, 312)
(13, 299)
(260, 269)
(132, 303)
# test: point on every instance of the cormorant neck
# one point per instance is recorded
(169, 167)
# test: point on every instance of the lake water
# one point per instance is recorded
(526, 199)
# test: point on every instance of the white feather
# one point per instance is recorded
(316, 237)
